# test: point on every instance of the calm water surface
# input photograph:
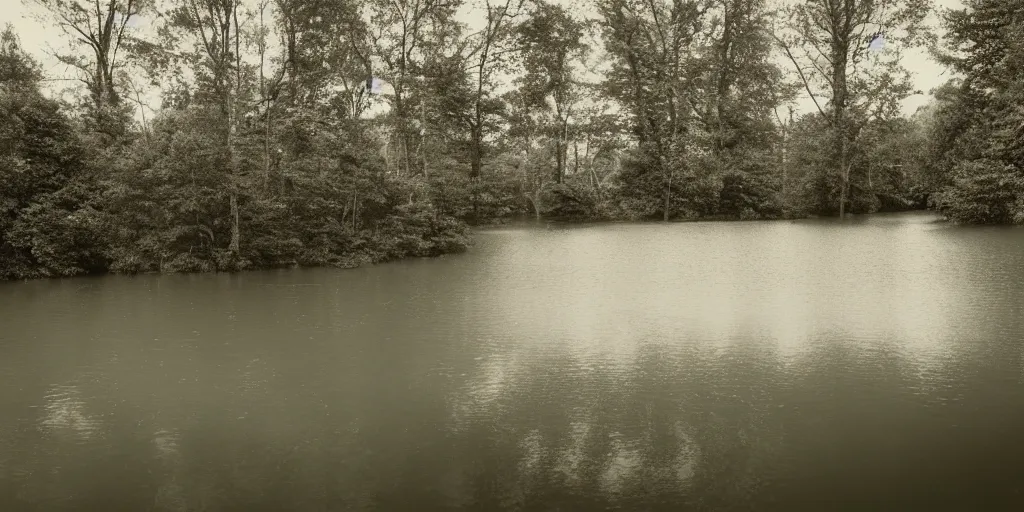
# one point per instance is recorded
(875, 364)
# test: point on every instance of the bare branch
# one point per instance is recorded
(803, 77)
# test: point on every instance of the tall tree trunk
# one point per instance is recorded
(575, 157)
(423, 139)
(266, 148)
(785, 131)
(232, 157)
(844, 164)
(403, 129)
(233, 188)
(264, 93)
(235, 234)
(232, 127)
(476, 151)
(561, 142)
(291, 60)
(559, 161)
(840, 51)
(407, 156)
(668, 190)
(724, 75)
(842, 193)
(668, 202)
(105, 38)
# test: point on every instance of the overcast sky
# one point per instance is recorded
(38, 39)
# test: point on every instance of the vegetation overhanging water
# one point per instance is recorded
(341, 133)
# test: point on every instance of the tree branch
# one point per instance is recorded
(803, 77)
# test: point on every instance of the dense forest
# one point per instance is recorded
(342, 132)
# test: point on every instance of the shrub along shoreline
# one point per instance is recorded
(280, 145)
(419, 228)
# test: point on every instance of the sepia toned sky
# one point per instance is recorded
(40, 39)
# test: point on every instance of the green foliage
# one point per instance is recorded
(48, 223)
(571, 201)
(827, 43)
(17, 69)
(638, 188)
(312, 194)
(63, 231)
(169, 206)
(888, 170)
(416, 229)
(277, 164)
(552, 40)
(984, 192)
(693, 192)
(490, 198)
(978, 126)
(748, 196)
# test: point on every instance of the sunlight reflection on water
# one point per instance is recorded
(651, 367)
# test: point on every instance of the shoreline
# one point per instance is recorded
(494, 225)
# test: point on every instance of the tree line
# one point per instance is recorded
(342, 132)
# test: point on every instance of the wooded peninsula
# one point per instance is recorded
(345, 132)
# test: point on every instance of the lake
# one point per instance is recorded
(821, 365)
